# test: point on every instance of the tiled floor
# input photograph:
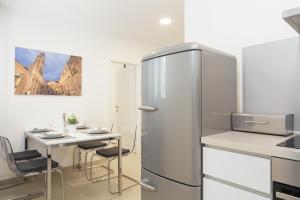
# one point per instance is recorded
(78, 188)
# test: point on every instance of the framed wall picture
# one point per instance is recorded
(45, 73)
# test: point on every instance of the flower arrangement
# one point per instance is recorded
(72, 120)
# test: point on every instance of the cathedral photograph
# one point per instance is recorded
(45, 73)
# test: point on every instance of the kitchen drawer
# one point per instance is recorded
(248, 171)
(213, 190)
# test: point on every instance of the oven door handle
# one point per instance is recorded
(286, 196)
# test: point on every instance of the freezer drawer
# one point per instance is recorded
(159, 188)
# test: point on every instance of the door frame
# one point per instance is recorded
(113, 88)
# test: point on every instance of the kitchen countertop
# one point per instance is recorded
(252, 143)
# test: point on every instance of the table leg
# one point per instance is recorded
(120, 166)
(49, 160)
(26, 143)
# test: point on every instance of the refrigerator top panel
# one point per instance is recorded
(172, 49)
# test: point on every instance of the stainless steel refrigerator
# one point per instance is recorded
(188, 91)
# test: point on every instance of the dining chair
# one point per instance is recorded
(111, 154)
(89, 147)
(28, 168)
(23, 156)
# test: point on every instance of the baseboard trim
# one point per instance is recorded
(13, 182)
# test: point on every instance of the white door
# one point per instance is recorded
(124, 102)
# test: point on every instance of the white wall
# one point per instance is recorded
(232, 24)
(22, 112)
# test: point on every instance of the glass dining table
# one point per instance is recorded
(72, 139)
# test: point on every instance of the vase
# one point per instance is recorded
(72, 128)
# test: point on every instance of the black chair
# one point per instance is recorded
(28, 168)
(111, 153)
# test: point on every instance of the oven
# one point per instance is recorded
(286, 179)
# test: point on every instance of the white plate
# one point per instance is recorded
(82, 127)
(97, 131)
(39, 130)
(53, 135)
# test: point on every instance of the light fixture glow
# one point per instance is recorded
(165, 21)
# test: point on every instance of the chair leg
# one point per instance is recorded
(45, 182)
(98, 178)
(62, 184)
(91, 168)
(74, 151)
(86, 163)
(109, 178)
(93, 179)
(29, 196)
(86, 167)
(136, 182)
(16, 184)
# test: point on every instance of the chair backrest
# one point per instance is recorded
(8, 154)
(129, 136)
(112, 127)
(134, 139)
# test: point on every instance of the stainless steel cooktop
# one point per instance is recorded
(293, 142)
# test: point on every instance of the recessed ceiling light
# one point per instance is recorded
(165, 21)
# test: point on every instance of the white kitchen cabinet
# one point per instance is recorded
(247, 171)
(213, 190)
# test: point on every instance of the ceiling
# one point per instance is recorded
(135, 19)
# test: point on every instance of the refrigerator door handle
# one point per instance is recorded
(147, 108)
(146, 185)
